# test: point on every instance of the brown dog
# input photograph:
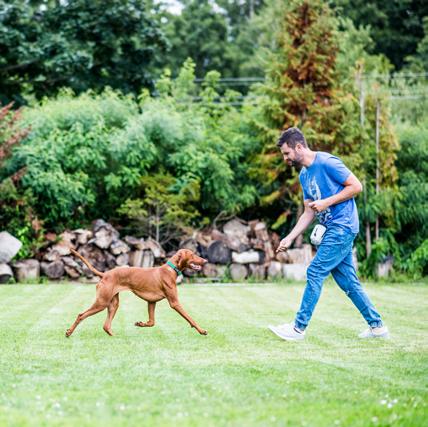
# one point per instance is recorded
(151, 284)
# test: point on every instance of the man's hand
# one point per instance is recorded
(285, 244)
(319, 205)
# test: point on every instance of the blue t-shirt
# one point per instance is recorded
(325, 178)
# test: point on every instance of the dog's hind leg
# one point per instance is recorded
(151, 322)
(112, 308)
(95, 308)
(102, 301)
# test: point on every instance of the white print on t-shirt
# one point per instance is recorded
(315, 193)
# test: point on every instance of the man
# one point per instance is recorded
(329, 189)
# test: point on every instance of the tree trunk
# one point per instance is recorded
(9, 246)
(368, 239)
(54, 270)
(213, 270)
(248, 257)
(219, 253)
(157, 224)
(377, 164)
(299, 240)
(27, 269)
(274, 270)
(5, 273)
(238, 271)
(368, 235)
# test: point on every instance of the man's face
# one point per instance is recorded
(293, 157)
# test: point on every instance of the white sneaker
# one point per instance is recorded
(381, 332)
(287, 332)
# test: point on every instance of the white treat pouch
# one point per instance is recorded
(317, 234)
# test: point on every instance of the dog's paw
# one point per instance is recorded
(203, 332)
(144, 324)
(67, 333)
(108, 331)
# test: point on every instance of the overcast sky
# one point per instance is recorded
(173, 6)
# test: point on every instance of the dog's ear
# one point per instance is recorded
(178, 260)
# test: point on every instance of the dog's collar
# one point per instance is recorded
(174, 268)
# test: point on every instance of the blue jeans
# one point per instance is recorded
(334, 256)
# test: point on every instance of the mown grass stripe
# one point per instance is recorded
(238, 375)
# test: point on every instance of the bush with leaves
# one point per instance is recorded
(16, 213)
(160, 211)
(66, 155)
(194, 136)
(417, 264)
(209, 146)
(88, 154)
(412, 164)
(17, 216)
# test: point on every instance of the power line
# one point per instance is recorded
(234, 79)
(403, 98)
(365, 75)
(395, 94)
(395, 75)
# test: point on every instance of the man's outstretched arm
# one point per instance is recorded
(303, 223)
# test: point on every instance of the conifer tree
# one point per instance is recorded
(306, 87)
(300, 90)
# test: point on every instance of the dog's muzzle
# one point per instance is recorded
(195, 267)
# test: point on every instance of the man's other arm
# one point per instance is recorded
(352, 188)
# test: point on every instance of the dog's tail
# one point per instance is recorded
(92, 268)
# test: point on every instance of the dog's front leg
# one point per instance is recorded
(151, 321)
(175, 304)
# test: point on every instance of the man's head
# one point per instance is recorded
(292, 144)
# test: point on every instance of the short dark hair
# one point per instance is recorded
(292, 137)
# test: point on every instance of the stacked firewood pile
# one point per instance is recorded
(238, 251)
(245, 250)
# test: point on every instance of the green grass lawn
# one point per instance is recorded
(238, 375)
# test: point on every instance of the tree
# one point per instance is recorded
(418, 62)
(313, 63)
(200, 33)
(215, 148)
(413, 181)
(300, 90)
(87, 154)
(161, 212)
(395, 26)
(243, 33)
(66, 155)
(16, 207)
(78, 44)
(211, 33)
(10, 133)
